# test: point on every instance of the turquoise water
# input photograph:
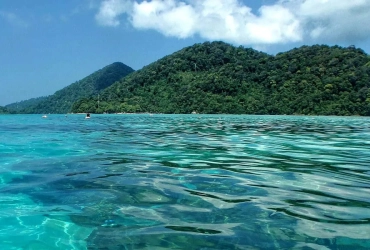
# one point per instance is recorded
(184, 182)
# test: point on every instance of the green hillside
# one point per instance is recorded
(62, 100)
(19, 106)
(219, 78)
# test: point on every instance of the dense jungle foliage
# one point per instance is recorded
(219, 78)
(62, 100)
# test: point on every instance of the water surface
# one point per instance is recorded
(184, 182)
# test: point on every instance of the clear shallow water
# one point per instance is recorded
(184, 182)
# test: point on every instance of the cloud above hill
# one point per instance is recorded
(284, 21)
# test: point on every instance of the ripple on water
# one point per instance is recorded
(184, 182)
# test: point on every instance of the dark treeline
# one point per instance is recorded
(3, 110)
(62, 100)
(220, 78)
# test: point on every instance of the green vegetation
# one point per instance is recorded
(220, 78)
(3, 110)
(62, 100)
(18, 107)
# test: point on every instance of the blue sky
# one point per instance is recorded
(46, 45)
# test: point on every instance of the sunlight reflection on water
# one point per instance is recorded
(184, 182)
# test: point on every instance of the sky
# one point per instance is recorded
(47, 45)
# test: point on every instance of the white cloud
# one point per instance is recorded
(169, 17)
(275, 24)
(13, 19)
(233, 21)
(110, 10)
(333, 20)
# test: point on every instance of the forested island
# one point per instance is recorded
(218, 78)
(62, 100)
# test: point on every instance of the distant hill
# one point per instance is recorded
(219, 78)
(62, 100)
(22, 105)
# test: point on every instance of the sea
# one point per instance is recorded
(153, 181)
